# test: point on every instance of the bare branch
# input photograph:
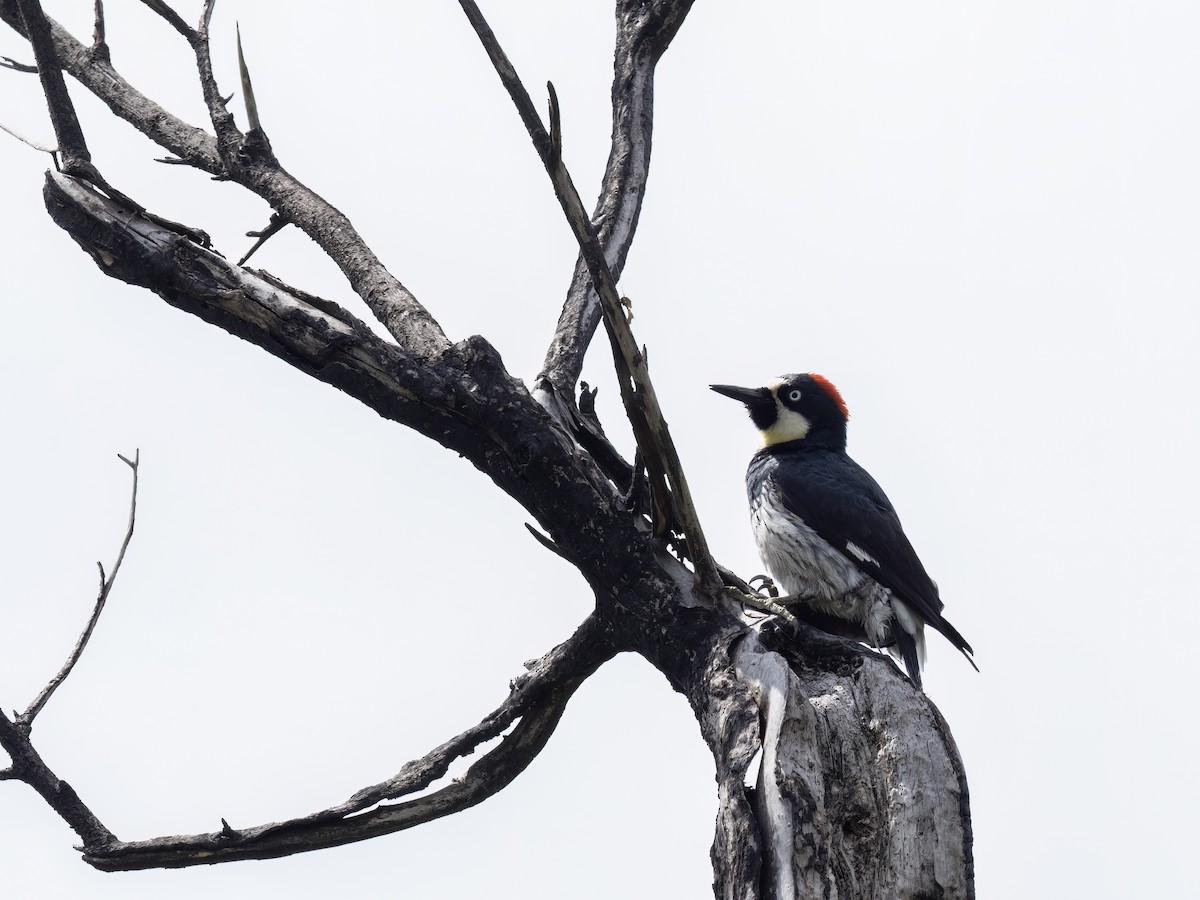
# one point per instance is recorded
(28, 766)
(171, 17)
(536, 702)
(186, 141)
(25, 719)
(227, 132)
(72, 146)
(644, 29)
(248, 160)
(274, 226)
(99, 46)
(25, 140)
(501, 428)
(637, 391)
(7, 62)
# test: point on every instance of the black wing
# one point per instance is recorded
(840, 501)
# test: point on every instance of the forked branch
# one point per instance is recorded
(535, 703)
(244, 158)
(27, 764)
(637, 391)
(25, 719)
(643, 32)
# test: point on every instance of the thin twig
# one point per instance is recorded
(7, 62)
(25, 719)
(274, 226)
(24, 140)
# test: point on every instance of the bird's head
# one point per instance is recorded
(795, 408)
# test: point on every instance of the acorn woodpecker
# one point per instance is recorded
(825, 529)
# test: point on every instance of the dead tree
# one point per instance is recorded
(860, 791)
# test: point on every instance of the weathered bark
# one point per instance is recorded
(859, 791)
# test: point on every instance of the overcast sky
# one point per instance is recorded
(979, 219)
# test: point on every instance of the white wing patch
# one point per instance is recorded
(860, 554)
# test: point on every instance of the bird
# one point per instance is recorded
(825, 529)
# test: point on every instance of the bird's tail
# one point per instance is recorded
(906, 648)
(958, 641)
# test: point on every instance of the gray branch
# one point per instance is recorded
(248, 160)
(643, 32)
(185, 141)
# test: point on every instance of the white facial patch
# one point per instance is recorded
(789, 425)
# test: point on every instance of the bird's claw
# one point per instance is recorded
(765, 605)
(766, 585)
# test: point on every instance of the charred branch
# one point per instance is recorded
(72, 147)
(466, 400)
(274, 226)
(535, 703)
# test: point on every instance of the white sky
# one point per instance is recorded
(979, 219)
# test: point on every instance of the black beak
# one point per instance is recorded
(749, 396)
(760, 402)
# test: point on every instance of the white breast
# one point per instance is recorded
(804, 564)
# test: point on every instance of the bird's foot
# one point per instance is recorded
(765, 585)
(765, 605)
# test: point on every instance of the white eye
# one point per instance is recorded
(794, 395)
